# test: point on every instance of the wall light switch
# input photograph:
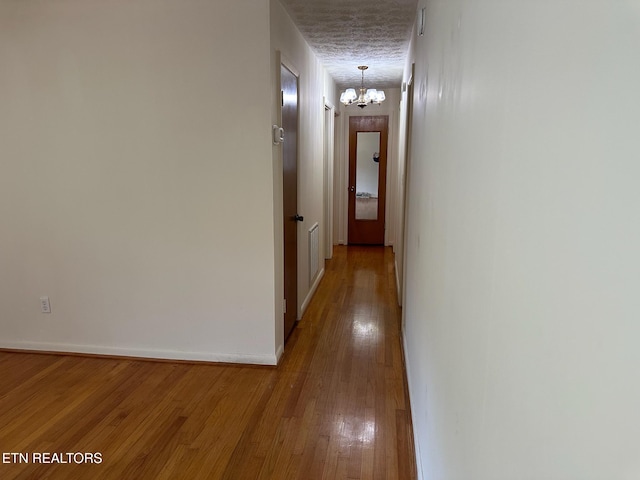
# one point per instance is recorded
(45, 306)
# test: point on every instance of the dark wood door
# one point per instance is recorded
(289, 87)
(368, 137)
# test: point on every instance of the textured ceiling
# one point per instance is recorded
(348, 33)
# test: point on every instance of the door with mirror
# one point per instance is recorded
(368, 137)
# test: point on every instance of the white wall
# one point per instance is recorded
(331, 93)
(523, 264)
(136, 186)
(314, 86)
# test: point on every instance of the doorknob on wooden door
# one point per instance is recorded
(352, 188)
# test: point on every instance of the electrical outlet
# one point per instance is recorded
(45, 306)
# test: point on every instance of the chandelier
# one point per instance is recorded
(367, 96)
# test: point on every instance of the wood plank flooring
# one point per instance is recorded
(335, 408)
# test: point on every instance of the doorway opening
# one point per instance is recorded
(404, 170)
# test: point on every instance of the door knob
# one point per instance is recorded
(352, 189)
(298, 218)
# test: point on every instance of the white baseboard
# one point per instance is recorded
(312, 291)
(143, 353)
(398, 292)
(279, 353)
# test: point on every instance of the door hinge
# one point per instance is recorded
(284, 305)
(282, 97)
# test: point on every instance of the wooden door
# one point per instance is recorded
(368, 138)
(289, 87)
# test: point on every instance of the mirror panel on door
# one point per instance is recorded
(367, 175)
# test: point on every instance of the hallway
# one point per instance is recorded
(335, 408)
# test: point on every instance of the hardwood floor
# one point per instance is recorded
(335, 408)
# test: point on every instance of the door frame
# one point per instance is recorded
(329, 162)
